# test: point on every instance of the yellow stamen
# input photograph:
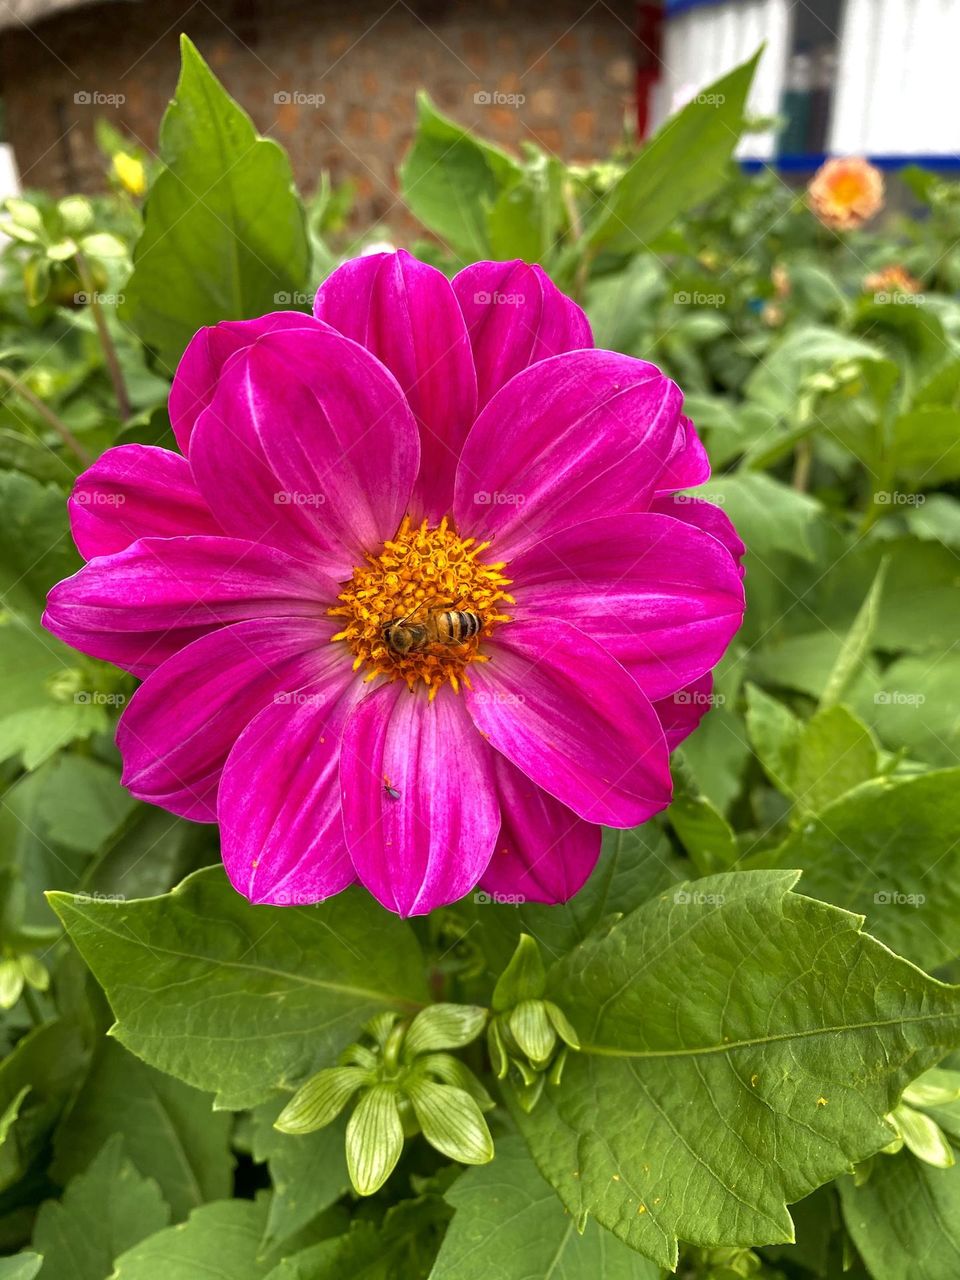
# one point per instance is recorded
(421, 570)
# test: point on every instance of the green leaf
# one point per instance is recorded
(509, 1223)
(22, 1267)
(926, 446)
(701, 828)
(835, 752)
(905, 1219)
(374, 1139)
(184, 971)
(796, 1036)
(103, 1212)
(451, 180)
(170, 1131)
(923, 1137)
(224, 232)
(451, 1120)
(220, 1241)
(36, 549)
(308, 1171)
(856, 645)
(318, 1102)
(524, 978)
(681, 166)
(533, 1030)
(775, 736)
(443, 1026)
(889, 850)
(769, 516)
(915, 707)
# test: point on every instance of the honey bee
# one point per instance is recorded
(439, 626)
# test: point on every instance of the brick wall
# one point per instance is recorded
(557, 74)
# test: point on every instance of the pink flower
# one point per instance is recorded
(421, 447)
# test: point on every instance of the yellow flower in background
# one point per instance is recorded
(894, 279)
(130, 173)
(845, 192)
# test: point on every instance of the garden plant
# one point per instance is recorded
(479, 782)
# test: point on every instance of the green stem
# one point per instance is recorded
(33, 1006)
(110, 356)
(48, 415)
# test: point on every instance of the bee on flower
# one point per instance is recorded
(457, 653)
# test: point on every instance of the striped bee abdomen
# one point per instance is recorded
(457, 626)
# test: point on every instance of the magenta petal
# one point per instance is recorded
(279, 803)
(682, 712)
(661, 596)
(207, 352)
(183, 720)
(309, 444)
(419, 800)
(572, 436)
(516, 316)
(406, 314)
(138, 607)
(688, 464)
(135, 491)
(571, 718)
(702, 515)
(544, 852)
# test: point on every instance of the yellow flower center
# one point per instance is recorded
(396, 606)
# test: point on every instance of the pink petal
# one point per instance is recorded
(419, 800)
(138, 607)
(279, 803)
(182, 722)
(310, 445)
(682, 712)
(702, 515)
(661, 596)
(135, 491)
(688, 464)
(544, 852)
(516, 316)
(571, 718)
(406, 314)
(571, 437)
(207, 352)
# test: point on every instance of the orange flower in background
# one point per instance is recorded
(845, 192)
(894, 279)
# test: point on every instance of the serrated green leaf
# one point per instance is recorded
(889, 850)
(451, 1120)
(103, 1212)
(299, 980)
(737, 1019)
(443, 1026)
(224, 235)
(509, 1223)
(374, 1139)
(218, 1240)
(170, 1131)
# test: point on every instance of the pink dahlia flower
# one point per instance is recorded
(451, 457)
